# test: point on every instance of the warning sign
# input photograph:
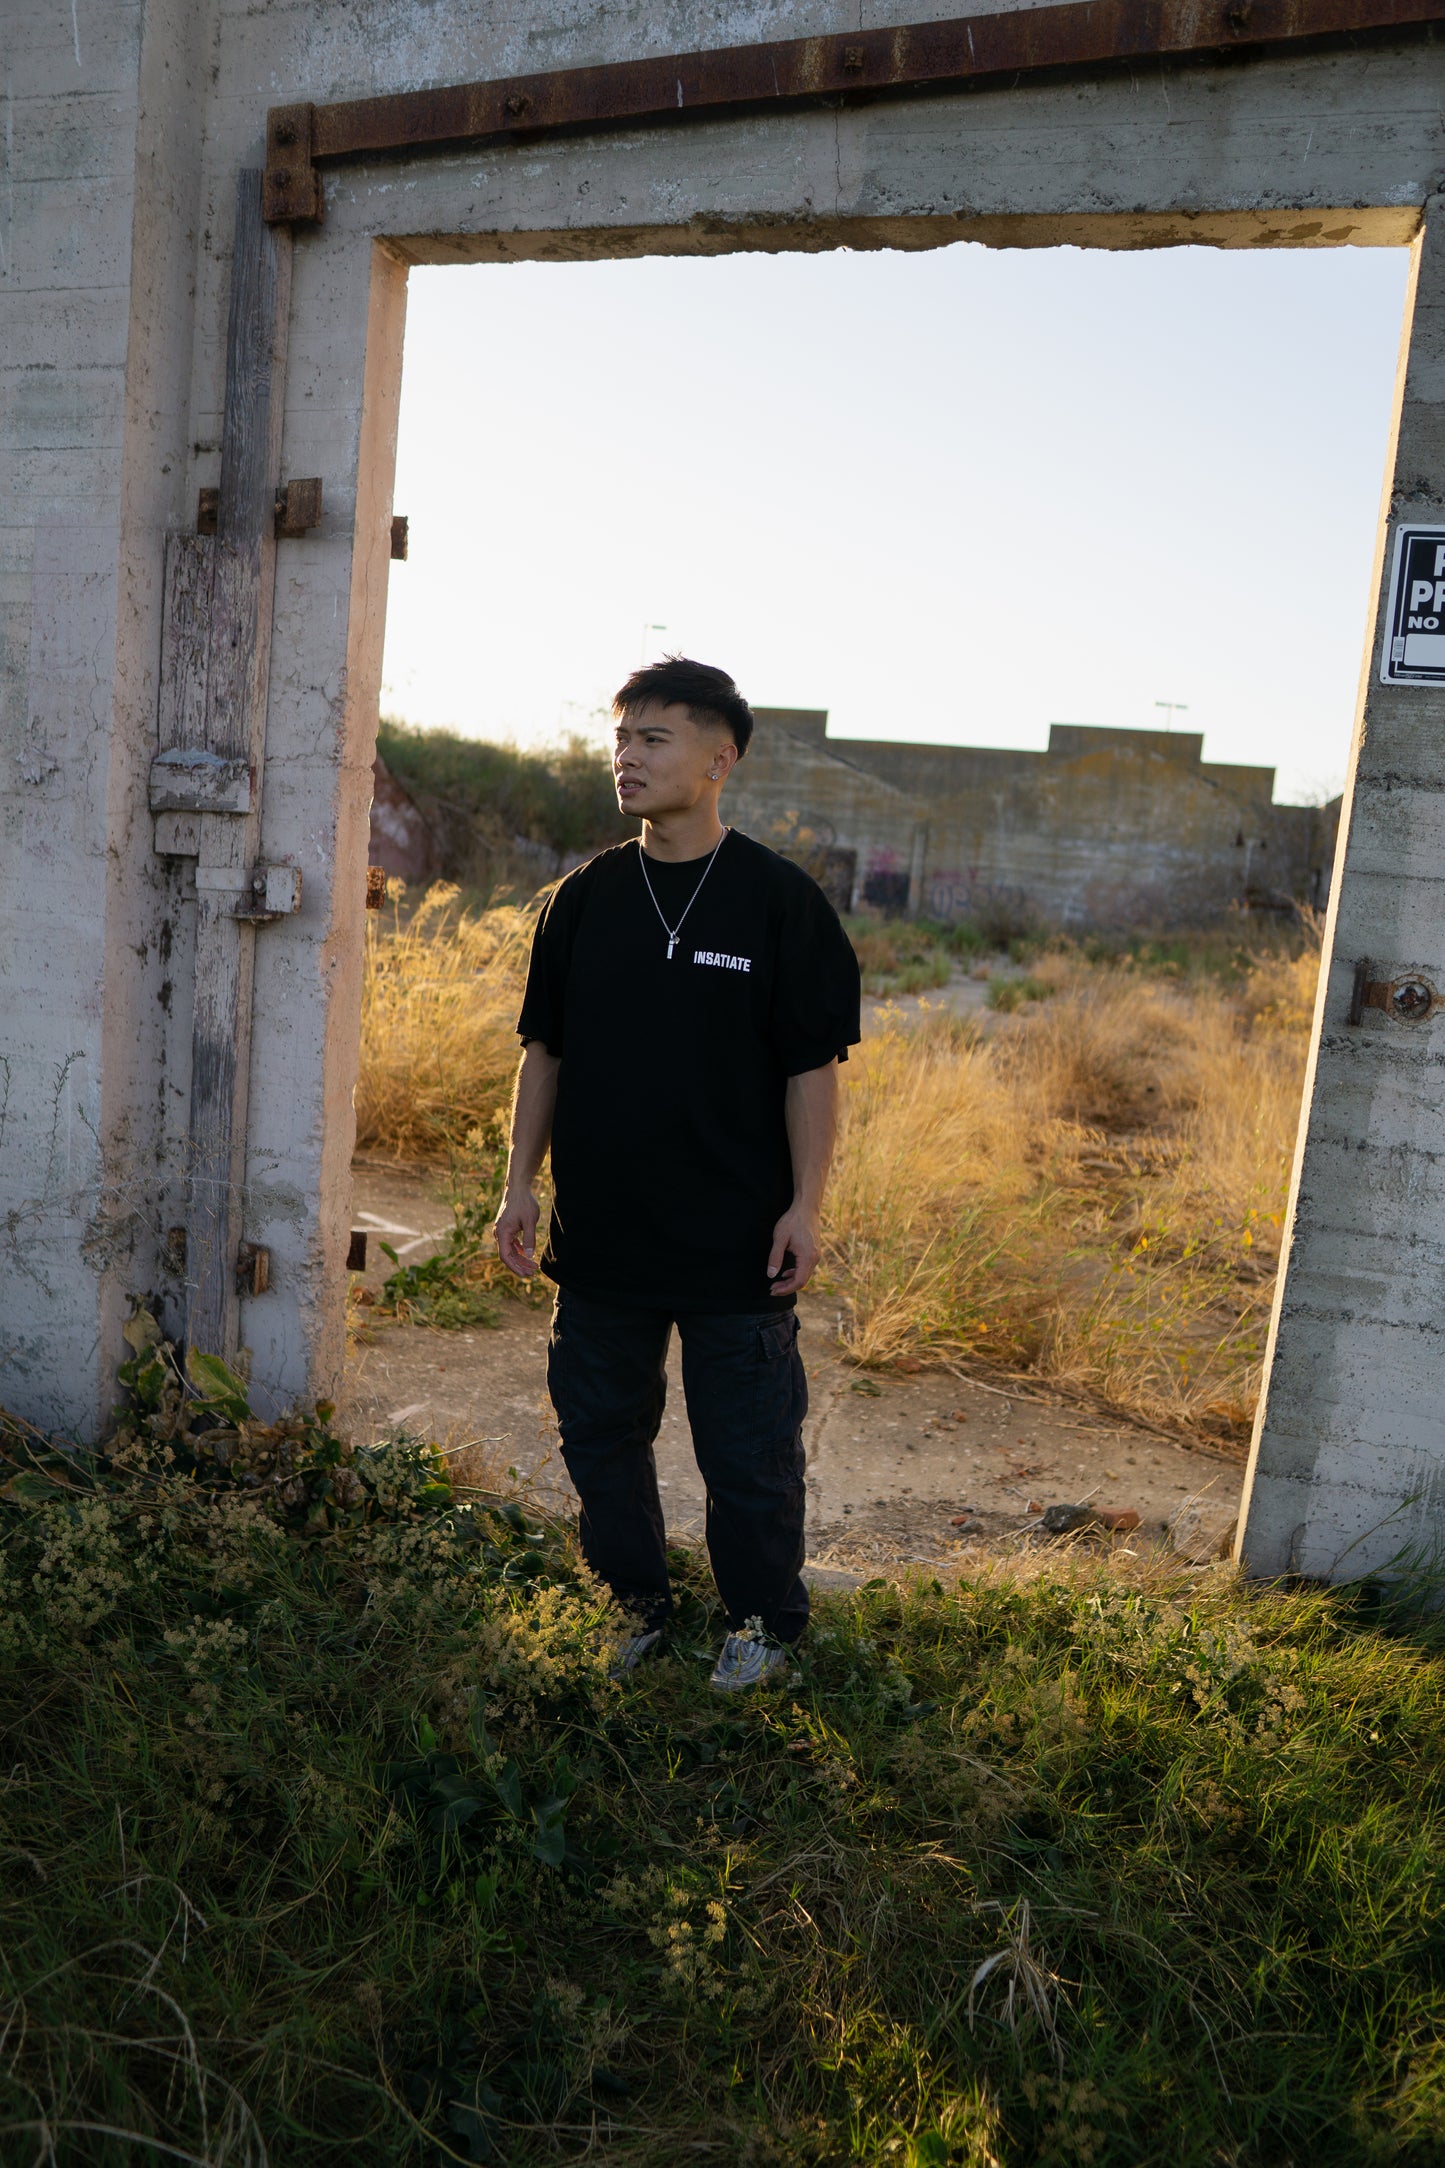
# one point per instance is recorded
(1414, 649)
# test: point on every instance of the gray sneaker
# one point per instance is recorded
(631, 1653)
(746, 1661)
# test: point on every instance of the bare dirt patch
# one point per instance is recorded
(894, 1461)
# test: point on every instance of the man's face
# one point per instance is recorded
(664, 762)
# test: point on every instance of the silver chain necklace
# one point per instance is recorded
(672, 932)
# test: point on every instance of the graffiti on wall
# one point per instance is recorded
(885, 884)
(951, 894)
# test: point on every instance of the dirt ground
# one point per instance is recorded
(893, 1462)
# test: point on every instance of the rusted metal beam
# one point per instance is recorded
(953, 55)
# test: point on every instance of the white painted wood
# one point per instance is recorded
(200, 782)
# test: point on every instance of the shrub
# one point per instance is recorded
(480, 795)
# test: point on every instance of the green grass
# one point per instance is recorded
(909, 955)
(912, 955)
(1010, 995)
(1225, 953)
(328, 1839)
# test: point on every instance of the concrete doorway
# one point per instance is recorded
(515, 502)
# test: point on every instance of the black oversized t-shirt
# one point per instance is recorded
(670, 1160)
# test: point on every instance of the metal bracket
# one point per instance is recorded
(293, 185)
(1409, 998)
(400, 535)
(271, 892)
(298, 507)
(375, 887)
(253, 1269)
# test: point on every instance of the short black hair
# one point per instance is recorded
(709, 695)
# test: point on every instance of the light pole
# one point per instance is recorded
(1175, 707)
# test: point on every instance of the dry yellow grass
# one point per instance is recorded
(1090, 1192)
(438, 1013)
(1093, 1193)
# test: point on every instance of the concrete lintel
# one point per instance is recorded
(1371, 226)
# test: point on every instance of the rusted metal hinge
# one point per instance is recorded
(253, 1269)
(1409, 998)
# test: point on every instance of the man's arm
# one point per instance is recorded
(811, 1111)
(532, 1105)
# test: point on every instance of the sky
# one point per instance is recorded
(949, 497)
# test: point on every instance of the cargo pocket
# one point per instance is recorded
(782, 1392)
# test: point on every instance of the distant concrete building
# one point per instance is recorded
(1108, 828)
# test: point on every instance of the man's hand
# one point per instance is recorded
(516, 1232)
(536, 1096)
(811, 1111)
(797, 1233)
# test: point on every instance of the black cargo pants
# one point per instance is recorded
(747, 1395)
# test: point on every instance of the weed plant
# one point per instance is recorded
(328, 1837)
(454, 1286)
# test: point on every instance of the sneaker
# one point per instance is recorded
(631, 1653)
(746, 1661)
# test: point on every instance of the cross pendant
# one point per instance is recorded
(671, 945)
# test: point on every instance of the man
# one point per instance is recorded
(688, 1002)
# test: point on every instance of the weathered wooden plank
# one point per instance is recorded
(185, 641)
(178, 835)
(250, 472)
(242, 587)
(255, 367)
(233, 729)
(220, 1048)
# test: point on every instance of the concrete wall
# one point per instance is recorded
(1108, 828)
(1347, 1473)
(98, 238)
(126, 123)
